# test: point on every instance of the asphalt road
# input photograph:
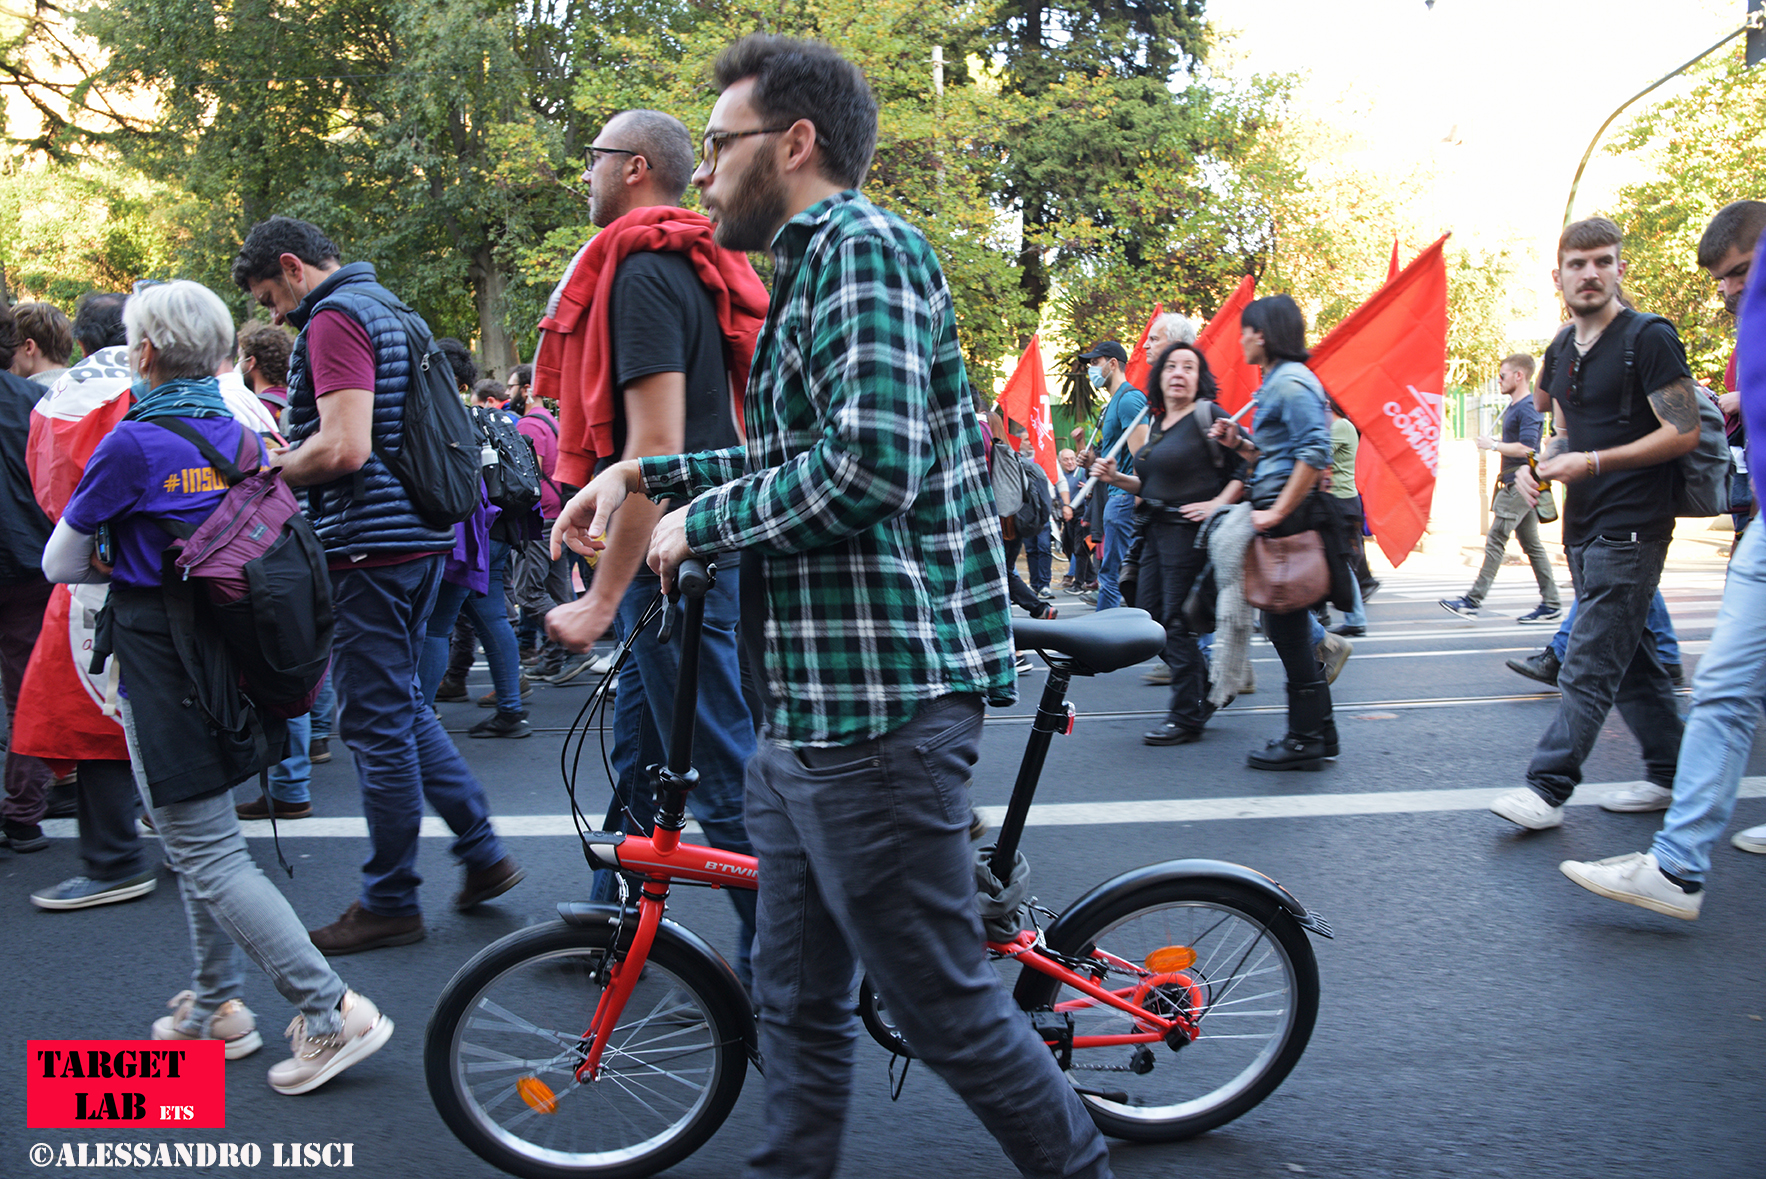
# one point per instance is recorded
(1481, 1015)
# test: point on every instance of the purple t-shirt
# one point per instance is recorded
(141, 470)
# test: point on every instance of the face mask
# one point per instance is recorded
(138, 386)
(1096, 375)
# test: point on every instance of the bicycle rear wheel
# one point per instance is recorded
(1252, 988)
(503, 1045)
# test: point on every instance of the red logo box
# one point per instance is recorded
(117, 1084)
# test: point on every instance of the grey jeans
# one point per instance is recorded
(865, 860)
(1611, 659)
(230, 905)
(1510, 512)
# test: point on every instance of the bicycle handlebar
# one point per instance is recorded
(693, 578)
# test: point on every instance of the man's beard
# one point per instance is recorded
(1732, 303)
(604, 209)
(1605, 295)
(755, 209)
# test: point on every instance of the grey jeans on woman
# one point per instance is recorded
(865, 861)
(230, 905)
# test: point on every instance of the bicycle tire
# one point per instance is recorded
(673, 1069)
(1239, 935)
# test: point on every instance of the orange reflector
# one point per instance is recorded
(1169, 958)
(537, 1095)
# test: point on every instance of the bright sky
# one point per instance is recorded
(1498, 97)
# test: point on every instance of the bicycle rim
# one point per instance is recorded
(1252, 989)
(670, 1072)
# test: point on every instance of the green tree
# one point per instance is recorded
(1706, 146)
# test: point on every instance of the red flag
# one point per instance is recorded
(1026, 401)
(1392, 266)
(1137, 372)
(1386, 365)
(1219, 342)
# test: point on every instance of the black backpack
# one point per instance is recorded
(511, 469)
(439, 454)
(265, 586)
(1038, 502)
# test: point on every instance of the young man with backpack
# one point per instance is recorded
(374, 439)
(1731, 678)
(1620, 482)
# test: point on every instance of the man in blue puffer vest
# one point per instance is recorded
(347, 380)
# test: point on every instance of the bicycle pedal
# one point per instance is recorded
(1056, 1030)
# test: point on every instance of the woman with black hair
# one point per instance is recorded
(1182, 477)
(1292, 445)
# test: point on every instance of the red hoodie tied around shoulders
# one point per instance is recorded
(574, 360)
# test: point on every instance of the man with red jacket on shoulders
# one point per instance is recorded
(646, 345)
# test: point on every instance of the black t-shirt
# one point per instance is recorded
(1589, 390)
(1177, 467)
(663, 321)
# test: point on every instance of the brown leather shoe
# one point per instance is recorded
(256, 809)
(489, 882)
(359, 930)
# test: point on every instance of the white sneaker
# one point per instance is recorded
(1752, 840)
(232, 1023)
(1637, 880)
(1525, 808)
(317, 1059)
(1637, 799)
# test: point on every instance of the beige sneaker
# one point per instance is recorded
(1333, 651)
(232, 1023)
(317, 1059)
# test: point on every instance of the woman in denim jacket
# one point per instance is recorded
(1290, 448)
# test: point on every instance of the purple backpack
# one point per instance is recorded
(267, 587)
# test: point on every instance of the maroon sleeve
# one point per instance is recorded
(340, 354)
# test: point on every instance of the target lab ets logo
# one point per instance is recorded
(113, 1084)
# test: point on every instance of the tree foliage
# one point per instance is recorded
(1707, 146)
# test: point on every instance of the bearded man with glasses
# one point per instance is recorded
(873, 570)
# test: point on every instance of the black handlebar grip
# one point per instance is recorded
(693, 578)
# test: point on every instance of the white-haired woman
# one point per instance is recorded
(147, 475)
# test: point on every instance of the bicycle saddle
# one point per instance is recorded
(1099, 642)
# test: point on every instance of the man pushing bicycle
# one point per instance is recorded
(873, 568)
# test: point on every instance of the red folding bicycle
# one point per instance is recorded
(613, 1042)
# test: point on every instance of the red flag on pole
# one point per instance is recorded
(1136, 372)
(1026, 401)
(1219, 342)
(1386, 365)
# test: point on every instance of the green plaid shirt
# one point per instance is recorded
(863, 481)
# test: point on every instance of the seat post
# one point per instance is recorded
(1051, 718)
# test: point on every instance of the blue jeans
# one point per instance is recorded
(490, 619)
(1357, 616)
(864, 860)
(723, 735)
(1741, 503)
(1039, 558)
(1611, 660)
(324, 709)
(403, 756)
(229, 905)
(1118, 538)
(1726, 697)
(291, 779)
(1657, 622)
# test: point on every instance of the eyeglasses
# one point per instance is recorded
(713, 145)
(607, 151)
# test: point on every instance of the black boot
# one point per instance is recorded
(1328, 723)
(1303, 748)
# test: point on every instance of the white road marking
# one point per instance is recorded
(1058, 814)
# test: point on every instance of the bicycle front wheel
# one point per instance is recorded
(1227, 957)
(508, 1033)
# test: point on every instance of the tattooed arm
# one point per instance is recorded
(1677, 412)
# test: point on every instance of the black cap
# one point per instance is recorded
(1105, 348)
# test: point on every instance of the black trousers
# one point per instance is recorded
(1170, 563)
